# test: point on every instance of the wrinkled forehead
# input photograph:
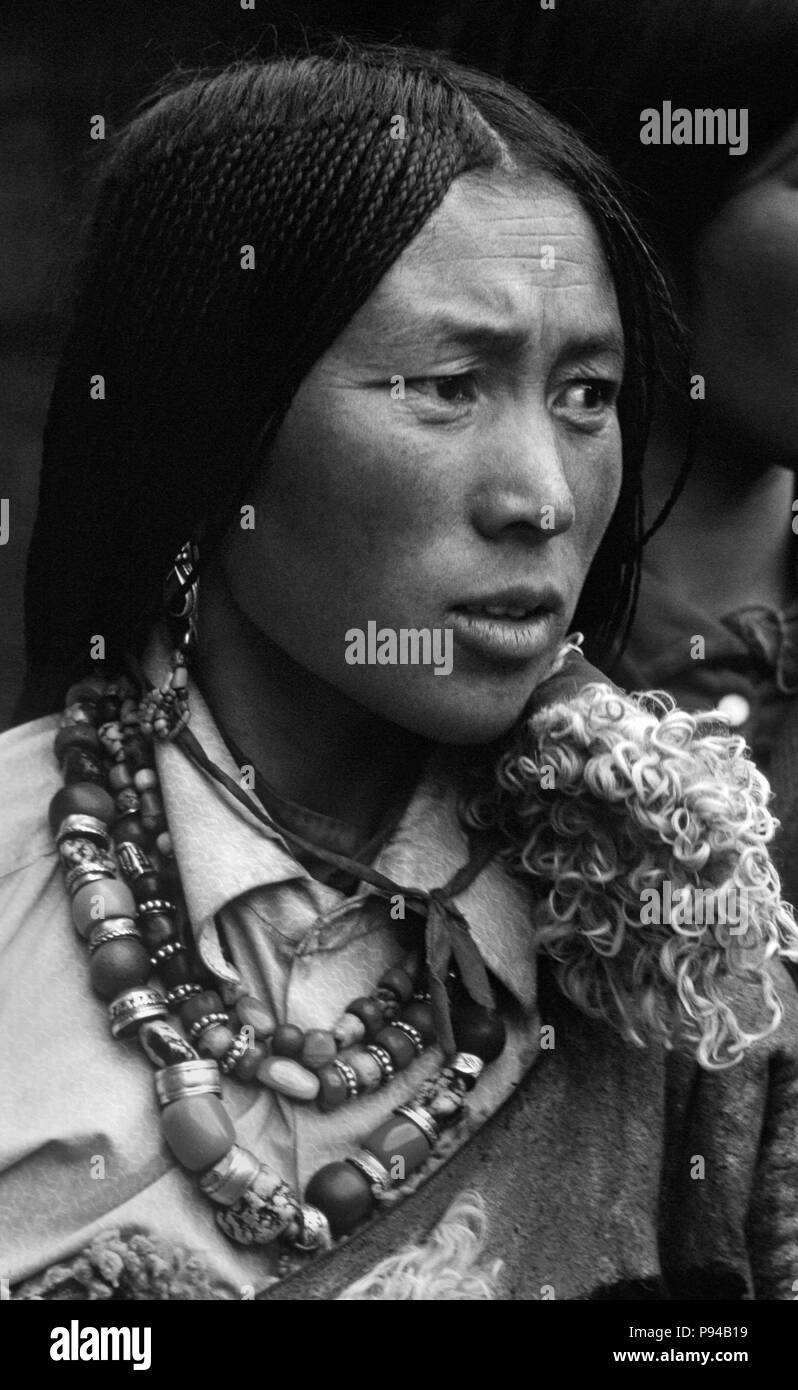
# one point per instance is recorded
(502, 253)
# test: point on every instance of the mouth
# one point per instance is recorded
(515, 626)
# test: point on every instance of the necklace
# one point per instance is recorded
(109, 825)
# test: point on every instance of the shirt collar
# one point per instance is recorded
(223, 852)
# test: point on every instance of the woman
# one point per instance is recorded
(716, 625)
(348, 369)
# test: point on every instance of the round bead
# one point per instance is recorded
(398, 1046)
(95, 902)
(146, 779)
(287, 1040)
(366, 1068)
(119, 965)
(399, 1145)
(288, 1078)
(349, 1030)
(198, 1130)
(369, 1013)
(318, 1049)
(479, 1030)
(399, 983)
(215, 1040)
(343, 1194)
(420, 1016)
(252, 1012)
(164, 844)
(83, 736)
(208, 1002)
(332, 1088)
(81, 799)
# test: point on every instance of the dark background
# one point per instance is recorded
(62, 61)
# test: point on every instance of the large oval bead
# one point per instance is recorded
(96, 902)
(286, 1076)
(198, 1130)
(318, 1049)
(343, 1194)
(119, 965)
(252, 1012)
(81, 799)
(399, 1144)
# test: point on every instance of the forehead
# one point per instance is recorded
(506, 255)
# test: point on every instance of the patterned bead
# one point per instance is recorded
(81, 799)
(228, 1179)
(118, 965)
(134, 1007)
(263, 1211)
(97, 901)
(344, 1195)
(133, 862)
(198, 1130)
(443, 1096)
(313, 1231)
(77, 849)
(287, 1041)
(164, 1045)
(318, 1049)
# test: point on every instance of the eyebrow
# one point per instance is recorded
(499, 342)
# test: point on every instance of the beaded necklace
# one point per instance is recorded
(127, 904)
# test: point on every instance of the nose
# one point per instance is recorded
(523, 487)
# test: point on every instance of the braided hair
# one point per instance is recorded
(302, 159)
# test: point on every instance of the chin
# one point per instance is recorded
(465, 716)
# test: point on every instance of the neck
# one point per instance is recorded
(728, 540)
(311, 743)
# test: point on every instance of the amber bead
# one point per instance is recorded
(177, 970)
(81, 799)
(147, 886)
(343, 1194)
(164, 1045)
(478, 1030)
(198, 1130)
(119, 965)
(71, 736)
(318, 1049)
(287, 1040)
(285, 1075)
(398, 1046)
(208, 1002)
(399, 983)
(96, 902)
(400, 1146)
(80, 765)
(332, 1089)
(369, 1013)
(419, 1015)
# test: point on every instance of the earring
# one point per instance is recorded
(181, 595)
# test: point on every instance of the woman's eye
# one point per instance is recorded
(588, 397)
(451, 390)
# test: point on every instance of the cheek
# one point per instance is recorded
(596, 486)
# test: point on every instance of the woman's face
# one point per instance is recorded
(746, 314)
(449, 465)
